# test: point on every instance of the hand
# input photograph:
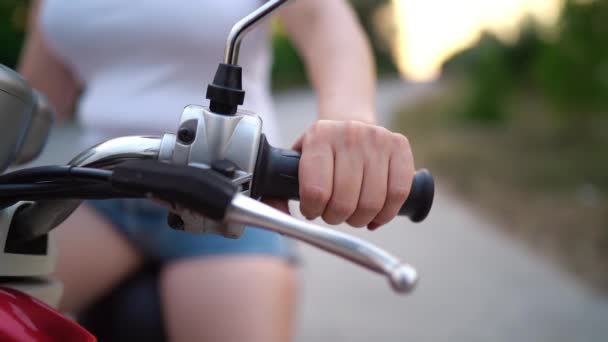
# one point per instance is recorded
(353, 172)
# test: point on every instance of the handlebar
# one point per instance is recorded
(276, 175)
(200, 190)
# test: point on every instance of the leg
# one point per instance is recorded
(93, 257)
(229, 298)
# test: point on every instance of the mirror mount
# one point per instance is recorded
(226, 92)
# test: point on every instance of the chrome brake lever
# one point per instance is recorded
(247, 211)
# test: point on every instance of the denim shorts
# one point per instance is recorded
(144, 225)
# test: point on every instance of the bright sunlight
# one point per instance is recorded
(428, 32)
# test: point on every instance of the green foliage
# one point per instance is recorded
(288, 69)
(12, 30)
(365, 10)
(573, 71)
(490, 84)
(570, 72)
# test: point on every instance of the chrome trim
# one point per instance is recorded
(248, 23)
(114, 151)
(167, 145)
(235, 138)
(245, 210)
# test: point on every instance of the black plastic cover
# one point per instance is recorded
(276, 172)
(226, 92)
(200, 190)
(420, 201)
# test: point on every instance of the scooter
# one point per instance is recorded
(211, 174)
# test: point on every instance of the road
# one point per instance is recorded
(476, 284)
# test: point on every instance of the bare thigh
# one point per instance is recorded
(93, 257)
(233, 298)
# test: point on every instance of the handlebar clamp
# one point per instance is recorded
(227, 144)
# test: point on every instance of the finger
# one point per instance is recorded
(348, 175)
(373, 191)
(297, 146)
(400, 176)
(277, 203)
(316, 172)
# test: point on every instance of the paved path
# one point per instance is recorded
(477, 285)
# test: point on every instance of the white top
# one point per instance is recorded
(142, 61)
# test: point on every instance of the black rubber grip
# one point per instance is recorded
(276, 175)
(201, 190)
(420, 200)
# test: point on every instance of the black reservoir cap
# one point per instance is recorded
(226, 92)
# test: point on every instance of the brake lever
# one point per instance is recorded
(247, 211)
(218, 199)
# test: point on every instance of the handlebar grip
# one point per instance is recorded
(276, 175)
(420, 200)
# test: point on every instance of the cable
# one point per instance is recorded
(35, 174)
(50, 173)
(91, 173)
(52, 191)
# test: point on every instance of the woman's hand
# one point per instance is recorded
(353, 172)
(349, 171)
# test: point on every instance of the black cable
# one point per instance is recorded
(58, 182)
(56, 172)
(35, 174)
(51, 191)
(91, 173)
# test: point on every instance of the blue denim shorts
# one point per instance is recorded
(144, 225)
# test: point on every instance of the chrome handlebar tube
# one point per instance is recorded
(45, 215)
(38, 218)
(117, 150)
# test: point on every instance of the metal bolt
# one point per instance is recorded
(186, 135)
(175, 222)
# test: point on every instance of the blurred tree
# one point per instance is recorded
(490, 82)
(13, 15)
(365, 10)
(573, 70)
(570, 72)
(288, 69)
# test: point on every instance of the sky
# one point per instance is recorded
(428, 32)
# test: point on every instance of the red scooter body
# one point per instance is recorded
(26, 319)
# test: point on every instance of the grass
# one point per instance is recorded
(545, 180)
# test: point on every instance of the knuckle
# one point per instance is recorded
(314, 194)
(352, 134)
(318, 129)
(332, 220)
(374, 136)
(369, 208)
(398, 194)
(384, 136)
(357, 223)
(341, 209)
(382, 219)
(401, 141)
